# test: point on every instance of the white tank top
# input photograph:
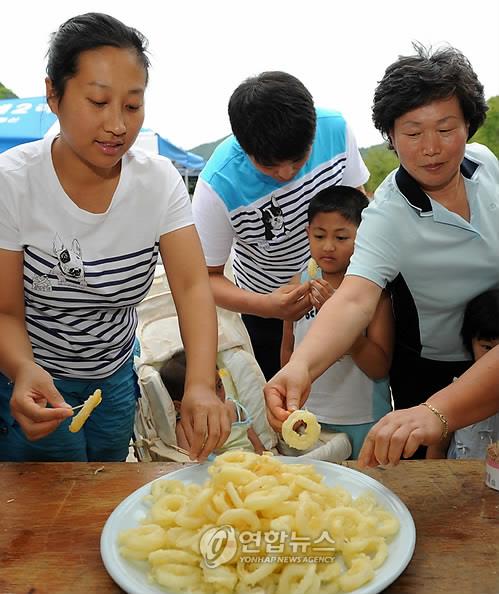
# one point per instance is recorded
(343, 394)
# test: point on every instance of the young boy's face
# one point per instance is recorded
(481, 346)
(331, 239)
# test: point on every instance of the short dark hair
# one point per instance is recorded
(481, 319)
(172, 373)
(414, 81)
(273, 118)
(86, 32)
(347, 201)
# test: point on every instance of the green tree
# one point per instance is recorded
(380, 161)
(6, 93)
(488, 134)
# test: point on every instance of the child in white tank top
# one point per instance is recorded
(353, 393)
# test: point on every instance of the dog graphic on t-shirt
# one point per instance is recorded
(70, 264)
(273, 220)
(69, 269)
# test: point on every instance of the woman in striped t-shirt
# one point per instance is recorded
(83, 218)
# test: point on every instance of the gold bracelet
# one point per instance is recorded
(443, 419)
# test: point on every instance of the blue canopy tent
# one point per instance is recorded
(186, 162)
(186, 159)
(23, 120)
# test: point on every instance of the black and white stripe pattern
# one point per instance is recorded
(263, 265)
(85, 329)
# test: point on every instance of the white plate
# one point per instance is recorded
(133, 509)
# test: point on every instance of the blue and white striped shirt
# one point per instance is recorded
(84, 273)
(238, 208)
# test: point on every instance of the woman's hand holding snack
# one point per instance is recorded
(33, 390)
(286, 392)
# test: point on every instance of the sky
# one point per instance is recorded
(201, 50)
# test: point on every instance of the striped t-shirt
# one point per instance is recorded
(238, 208)
(84, 273)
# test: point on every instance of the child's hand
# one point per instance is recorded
(33, 390)
(320, 292)
(205, 421)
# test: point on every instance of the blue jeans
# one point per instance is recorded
(104, 437)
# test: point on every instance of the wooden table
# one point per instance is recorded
(51, 517)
